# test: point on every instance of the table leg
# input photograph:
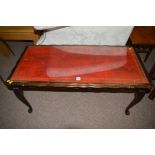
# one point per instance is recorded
(148, 54)
(152, 95)
(137, 98)
(152, 71)
(20, 95)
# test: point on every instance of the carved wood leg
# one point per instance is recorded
(20, 95)
(148, 54)
(152, 95)
(152, 71)
(138, 97)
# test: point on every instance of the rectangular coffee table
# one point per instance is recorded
(79, 68)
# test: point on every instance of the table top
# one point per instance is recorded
(86, 65)
(143, 35)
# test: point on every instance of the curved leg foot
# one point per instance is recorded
(20, 95)
(138, 97)
(127, 112)
(30, 110)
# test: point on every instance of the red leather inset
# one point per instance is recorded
(90, 64)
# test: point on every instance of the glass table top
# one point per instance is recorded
(79, 64)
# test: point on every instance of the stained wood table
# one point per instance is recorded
(79, 68)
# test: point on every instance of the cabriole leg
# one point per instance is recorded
(20, 95)
(138, 97)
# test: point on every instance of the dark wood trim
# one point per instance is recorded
(80, 89)
(80, 85)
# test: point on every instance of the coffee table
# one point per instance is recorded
(79, 68)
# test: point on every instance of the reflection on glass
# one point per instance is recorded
(80, 60)
(88, 64)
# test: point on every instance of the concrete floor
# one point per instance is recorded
(71, 110)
